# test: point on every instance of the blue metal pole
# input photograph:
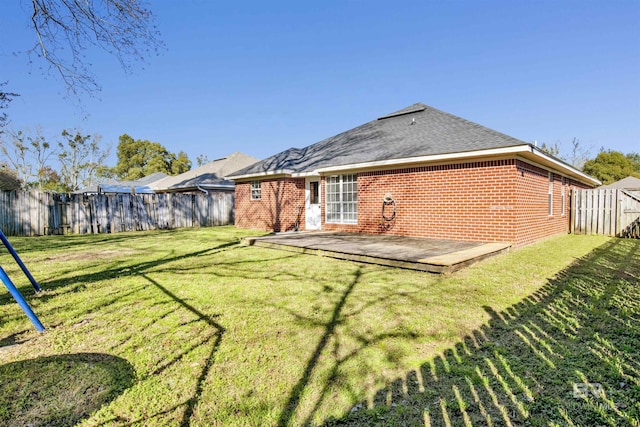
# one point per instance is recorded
(20, 300)
(19, 261)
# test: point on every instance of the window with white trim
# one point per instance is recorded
(342, 199)
(256, 190)
(562, 197)
(550, 194)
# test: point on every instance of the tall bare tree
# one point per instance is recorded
(202, 159)
(81, 159)
(18, 156)
(579, 154)
(28, 154)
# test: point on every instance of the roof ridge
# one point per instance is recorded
(414, 108)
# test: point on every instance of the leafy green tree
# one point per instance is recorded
(181, 164)
(138, 158)
(635, 160)
(610, 166)
(81, 158)
(50, 180)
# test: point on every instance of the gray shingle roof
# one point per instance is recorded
(210, 175)
(414, 131)
(110, 185)
(630, 182)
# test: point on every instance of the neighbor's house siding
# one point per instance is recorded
(495, 200)
(277, 209)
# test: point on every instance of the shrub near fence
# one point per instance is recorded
(29, 213)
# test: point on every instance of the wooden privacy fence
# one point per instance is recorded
(612, 212)
(24, 213)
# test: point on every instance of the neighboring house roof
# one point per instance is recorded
(8, 179)
(124, 189)
(150, 179)
(630, 182)
(139, 186)
(208, 176)
(415, 134)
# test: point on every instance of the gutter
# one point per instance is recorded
(562, 165)
(525, 150)
(273, 173)
(201, 187)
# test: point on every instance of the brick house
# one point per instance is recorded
(416, 172)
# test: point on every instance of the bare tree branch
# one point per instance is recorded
(5, 99)
(66, 29)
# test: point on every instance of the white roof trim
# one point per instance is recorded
(262, 174)
(526, 150)
(306, 174)
(215, 185)
(564, 166)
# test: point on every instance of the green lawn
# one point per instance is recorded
(188, 327)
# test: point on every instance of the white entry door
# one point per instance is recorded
(312, 204)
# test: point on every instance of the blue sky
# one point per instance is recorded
(260, 77)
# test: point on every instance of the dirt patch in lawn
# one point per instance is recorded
(89, 255)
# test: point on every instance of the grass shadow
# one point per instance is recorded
(112, 271)
(196, 338)
(60, 390)
(329, 330)
(566, 355)
(213, 341)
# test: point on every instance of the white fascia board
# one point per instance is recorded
(559, 165)
(527, 151)
(273, 174)
(429, 159)
(215, 186)
(305, 174)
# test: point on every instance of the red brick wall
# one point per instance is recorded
(277, 210)
(467, 201)
(499, 200)
(533, 221)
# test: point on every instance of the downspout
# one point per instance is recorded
(204, 190)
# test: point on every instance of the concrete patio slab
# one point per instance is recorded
(433, 255)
